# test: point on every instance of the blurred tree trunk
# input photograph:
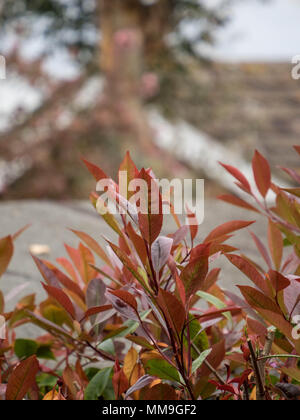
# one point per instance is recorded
(130, 34)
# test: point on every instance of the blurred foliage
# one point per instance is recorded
(75, 24)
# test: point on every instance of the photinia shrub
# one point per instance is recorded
(144, 317)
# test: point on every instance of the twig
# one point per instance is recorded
(280, 356)
(101, 353)
(259, 381)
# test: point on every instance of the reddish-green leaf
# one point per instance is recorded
(68, 267)
(87, 262)
(179, 285)
(64, 280)
(104, 212)
(94, 246)
(97, 310)
(132, 172)
(194, 274)
(61, 298)
(249, 270)
(227, 228)
(173, 310)
(262, 173)
(215, 358)
(48, 275)
(124, 302)
(6, 253)
(97, 172)
(211, 279)
(297, 148)
(278, 281)
(258, 300)
(138, 243)
(160, 392)
(239, 176)
(22, 379)
(151, 223)
(127, 263)
(119, 380)
(278, 321)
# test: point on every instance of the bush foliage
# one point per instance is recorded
(150, 322)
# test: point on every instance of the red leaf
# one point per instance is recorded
(194, 275)
(256, 328)
(258, 300)
(61, 298)
(119, 380)
(93, 245)
(200, 251)
(124, 302)
(151, 223)
(192, 225)
(126, 297)
(173, 310)
(215, 358)
(262, 173)
(211, 279)
(160, 392)
(236, 201)
(178, 281)
(75, 256)
(278, 281)
(88, 261)
(129, 167)
(6, 253)
(65, 281)
(123, 257)
(96, 310)
(97, 172)
(227, 228)
(69, 268)
(138, 243)
(278, 321)
(238, 175)
(250, 271)
(22, 379)
(297, 148)
(48, 275)
(262, 249)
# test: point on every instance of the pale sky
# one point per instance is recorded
(261, 31)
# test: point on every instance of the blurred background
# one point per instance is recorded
(179, 83)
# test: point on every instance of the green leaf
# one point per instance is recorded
(25, 348)
(199, 361)
(197, 336)
(46, 380)
(97, 385)
(162, 369)
(44, 352)
(216, 302)
(129, 327)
